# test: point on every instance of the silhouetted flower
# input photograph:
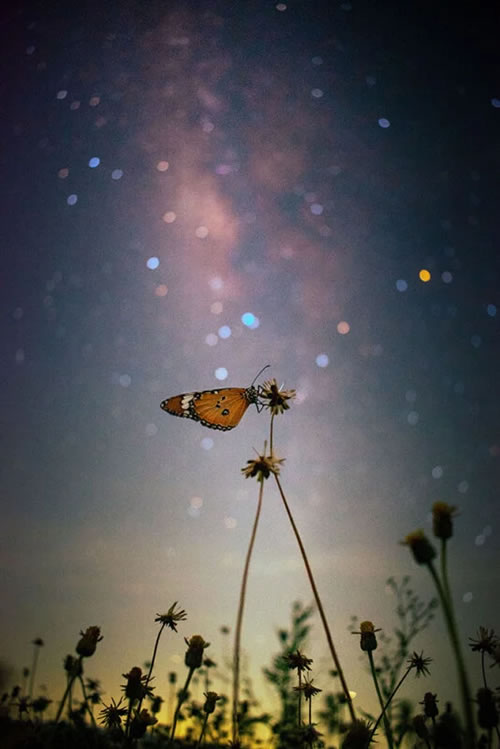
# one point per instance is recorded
(194, 654)
(308, 689)
(275, 398)
(486, 641)
(420, 546)
(420, 728)
(487, 714)
(262, 467)
(442, 516)
(40, 704)
(111, 715)
(137, 686)
(429, 702)
(87, 644)
(358, 736)
(368, 639)
(298, 660)
(172, 616)
(419, 663)
(211, 699)
(140, 723)
(38, 642)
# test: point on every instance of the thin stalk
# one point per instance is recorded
(129, 715)
(310, 710)
(181, 699)
(33, 671)
(444, 570)
(482, 669)
(67, 690)
(462, 674)
(300, 698)
(331, 646)
(389, 701)
(86, 699)
(271, 434)
(387, 727)
(151, 666)
(198, 744)
(239, 618)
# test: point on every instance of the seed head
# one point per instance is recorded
(298, 660)
(421, 548)
(172, 616)
(111, 715)
(486, 641)
(262, 466)
(140, 723)
(308, 689)
(368, 639)
(137, 686)
(419, 663)
(429, 702)
(358, 736)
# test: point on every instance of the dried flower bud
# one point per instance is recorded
(421, 548)
(429, 702)
(87, 644)
(134, 688)
(442, 515)
(210, 701)
(140, 723)
(368, 640)
(358, 736)
(194, 653)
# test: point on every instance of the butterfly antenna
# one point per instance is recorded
(259, 374)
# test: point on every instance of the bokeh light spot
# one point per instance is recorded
(491, 310)
(463, 487)
(196, 502)
(61, 94)
(343, 327)
(384, 123)
(94, 101)
(221, 373)
(125, 380)
(94, 161)
(207, 443)
(316, 209)
(161, 290)
(211, 339)
(216, 308)
(476, 341)
(74, 106)
(153, 263)
(316, 93)
(151, 430)
(467, 598)
(401, 285)
(216, 283)
(116, 174)
(72, 199)
(446, 276)
(495, 103)
(248, 319)
(424, 275)
(201, 232)
(224, 331)
(413, 418)
(169, 217)
(479, 540)
(162, 166)
(322, 360)
(63, 173)
(230, 523)
(437, 472)
(281, 7)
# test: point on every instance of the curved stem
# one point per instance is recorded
(86, 700)
(482, 669)
(33, 671)
(389, 701)
(239, 618)
(67, 691)
(387, 727)
(453, 635)
(331, 646)
(180, 701)
(151, 666)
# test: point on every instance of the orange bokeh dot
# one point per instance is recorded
(161, 290)
(343, 327)
(424, 275)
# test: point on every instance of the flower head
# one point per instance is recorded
(298, 660)
(194, 654)
(275, 398)
(487, 715)
(419, 663)
(137, 686)
(359, 735)
(40, 704)
(308, 689)
(172, 616)
(140, 724)
(368, 639)
(429, 702)
(421, 548)
(263, 466)
(486, 641)
(211, 699)
(442, 516)
(87, 644)
(111, 715)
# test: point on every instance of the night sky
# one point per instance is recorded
(189, 192)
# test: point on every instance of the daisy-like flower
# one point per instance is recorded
(308, 689)
(262, 466)
(87, 644)
(419, 663)
(298, 660)
(111, 715)
(137, 686)
(486, 641)
(172, 616)
(442, 517)
(275, 398)
(368, 639)
(421, 548)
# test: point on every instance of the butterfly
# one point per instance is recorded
(216, 409)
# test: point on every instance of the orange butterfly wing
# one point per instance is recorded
(217, 409)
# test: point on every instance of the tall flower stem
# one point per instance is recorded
(455, 642)
(33, 670)
(318, 603)
(198, 743)
(271, 434)
(387, 727)
(389, 700)
(300, 698)
(67, 691)
(182, 697)
(239, 618)
(86, 700)
(151, 665)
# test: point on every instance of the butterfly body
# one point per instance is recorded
(220, 409)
